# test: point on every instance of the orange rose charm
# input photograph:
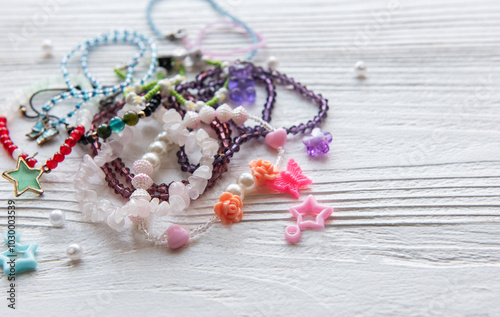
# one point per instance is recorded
(263, 171)
(228, 209)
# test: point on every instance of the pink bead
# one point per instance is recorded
(292, 234)
(177, 237)
(142, 181)
(276, 139)
(142, 166)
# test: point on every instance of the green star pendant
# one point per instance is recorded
(24, 178)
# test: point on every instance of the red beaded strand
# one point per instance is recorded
(51, 163)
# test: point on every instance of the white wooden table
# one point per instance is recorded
(413, 173)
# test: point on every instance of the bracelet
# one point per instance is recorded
(125, 36)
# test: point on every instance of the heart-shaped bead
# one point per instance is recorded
(177, 237)
(276, 139)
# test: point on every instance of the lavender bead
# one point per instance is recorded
(241, 84)
(317, 142)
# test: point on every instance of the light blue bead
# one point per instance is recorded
(116, 124)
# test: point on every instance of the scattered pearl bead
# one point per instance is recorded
(74, 252)
(360, 69)
(235, 189)
(246, 181)
(47, 48)
(272, 62)
(57, 217)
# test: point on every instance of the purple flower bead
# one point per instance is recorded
(317, 142)
(241, 84)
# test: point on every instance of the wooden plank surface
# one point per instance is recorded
(413, 173)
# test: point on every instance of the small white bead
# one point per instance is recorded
(272, 62)
(152, 158)
(246, 181)
(140, 194)
(198, 105)
(224, 113)
(74, 252)
(189, 105)
(47, 48)
(240, 115)
(142, 181)
(192, 120)
(142, 166)
(16, 153)
(207, 114)
(158, 147)
(221, 94)
(57, 217)
(166, 86)
(360, 69)
(131, 98)
(179, 78)
(235, 189)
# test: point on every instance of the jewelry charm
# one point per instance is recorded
(317, 142)
(241, 84)
(24, 178)
(290, 180)
(309, 207)
(22, 255)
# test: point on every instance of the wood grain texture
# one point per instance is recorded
(413, 174)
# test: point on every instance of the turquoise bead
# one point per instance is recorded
(117, 124)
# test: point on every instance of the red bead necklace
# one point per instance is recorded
(26, 176)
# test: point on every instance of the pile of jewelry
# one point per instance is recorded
(205, 121)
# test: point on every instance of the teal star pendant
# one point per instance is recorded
(24, 178)
(19, 258)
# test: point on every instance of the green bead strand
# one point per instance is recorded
(104, 131)
(152, 92)
(131, 118)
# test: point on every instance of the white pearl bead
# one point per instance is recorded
(158, 147)
(191, 120)
(240, 115)
(207, 114)
(272, 62)
(224, 113)
(152, 158)
(57, 217)
(360, 69)
(246, 181)
(47, 48)
(74, 252)
(235, 189)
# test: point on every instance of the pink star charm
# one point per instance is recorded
(290, 180)
(309, 207)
